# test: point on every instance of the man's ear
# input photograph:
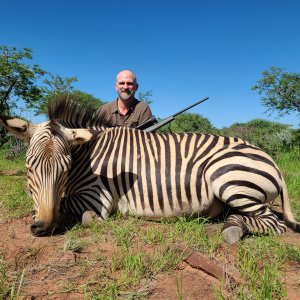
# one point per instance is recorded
(80, 135)
(19, 128)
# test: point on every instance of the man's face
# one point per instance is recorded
(126, 86)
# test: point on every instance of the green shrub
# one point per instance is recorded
(272, 137)
(188, 122)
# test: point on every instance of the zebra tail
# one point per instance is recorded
(287, 211)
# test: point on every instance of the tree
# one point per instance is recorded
(280, 91)
(17, 79)
(145, 96)
(189, 122)
(85, 100)
(54, 86)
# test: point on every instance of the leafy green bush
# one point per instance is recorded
(188, 122)
(272, 137)
(13, 148)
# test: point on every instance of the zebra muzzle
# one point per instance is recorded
(41, 228)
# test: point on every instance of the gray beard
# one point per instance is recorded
(126, 96)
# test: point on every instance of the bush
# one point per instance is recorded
(14, 148)
(272, 137)
(188, 122)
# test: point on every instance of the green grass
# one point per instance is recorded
(129, 260)
(289, 164)
(4, 285)
(14, 197)
(15, 200)
(260, 260)
(191, 231)
(74, 239)
(17, 164)
(9, 289)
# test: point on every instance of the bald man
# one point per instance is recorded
(126, 110)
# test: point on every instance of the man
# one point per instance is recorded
(126, 110)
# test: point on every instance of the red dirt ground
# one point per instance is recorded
(52, 273)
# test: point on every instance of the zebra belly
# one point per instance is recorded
(141, 207)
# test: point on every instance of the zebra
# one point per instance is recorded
(76, 164)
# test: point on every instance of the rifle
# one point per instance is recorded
(146, 125)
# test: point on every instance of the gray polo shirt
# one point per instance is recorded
(138, 113)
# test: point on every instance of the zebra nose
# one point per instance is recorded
(39, 228)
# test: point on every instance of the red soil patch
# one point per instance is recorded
(52, 273)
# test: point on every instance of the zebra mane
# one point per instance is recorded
(71, 114)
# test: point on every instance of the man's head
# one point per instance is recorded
(126, 85)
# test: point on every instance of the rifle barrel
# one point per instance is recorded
(189, 107)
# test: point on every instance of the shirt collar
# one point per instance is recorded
(115, 109)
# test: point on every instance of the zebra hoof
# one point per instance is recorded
(232, 234)
(88, 217)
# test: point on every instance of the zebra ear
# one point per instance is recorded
(80, 135)
(19, 128)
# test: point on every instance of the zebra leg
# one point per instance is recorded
(263, 221)
(84, 209)
(232, 232)
(88, 218)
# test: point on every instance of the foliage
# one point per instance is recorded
(54, 86)
(17, 79)
(280, 90)
(145, 96)
(272, 137)
(14, 148)
(189, 122)
(57, 88)
(86, 101)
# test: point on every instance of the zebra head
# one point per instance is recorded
(48, 160)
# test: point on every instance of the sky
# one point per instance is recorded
(182, 51)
